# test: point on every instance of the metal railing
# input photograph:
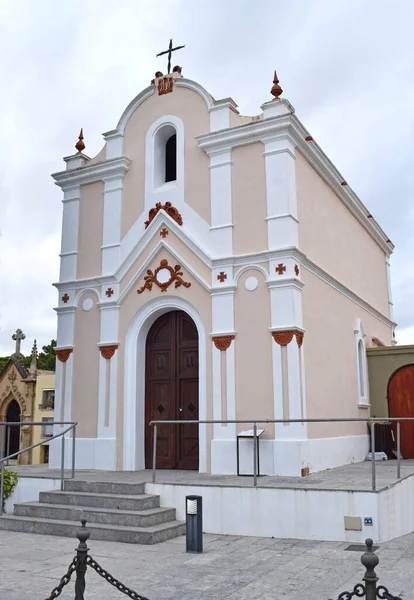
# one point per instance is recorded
(255, 422)
(4, 425)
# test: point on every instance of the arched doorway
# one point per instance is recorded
(171, 390)
(401, 404)
(13, 431)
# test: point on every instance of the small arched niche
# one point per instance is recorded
(165, 155)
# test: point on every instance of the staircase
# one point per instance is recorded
(115, 512)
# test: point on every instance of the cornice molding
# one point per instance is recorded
(221, 263)
(248, 133)
(330, 174)
(291, 282)
(342, 289)
(102, 171)
(288, 126)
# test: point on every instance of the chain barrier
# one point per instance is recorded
(369, 588)
(82, 560)
(384, 594)
(359, 591)
(64, 581)
(110, 579)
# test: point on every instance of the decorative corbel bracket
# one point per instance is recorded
(284, 337)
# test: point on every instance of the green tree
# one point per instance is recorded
(3, 362)
(47, 359)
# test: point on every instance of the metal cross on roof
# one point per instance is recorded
(169, 52)
(18, 337)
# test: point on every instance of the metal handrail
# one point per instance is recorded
(367, 420)
(3, 459)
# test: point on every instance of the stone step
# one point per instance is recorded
(117, 501)
(104, 487)
(104, 516)
(110, 533)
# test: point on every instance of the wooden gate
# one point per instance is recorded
(401, 404)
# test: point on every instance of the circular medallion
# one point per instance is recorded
(251, 284)
(87, 304)
(163, 275)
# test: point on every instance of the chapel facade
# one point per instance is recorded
(215, 266)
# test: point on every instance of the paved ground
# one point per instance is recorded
(230, 568)
(355, 477)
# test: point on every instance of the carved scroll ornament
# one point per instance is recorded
(63, 355)
(222, 342)
(283, 338)
(154, 277)
(169, 209)
(108, 351)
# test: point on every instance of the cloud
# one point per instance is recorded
(346, 66)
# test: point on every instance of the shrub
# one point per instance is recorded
(10, 482)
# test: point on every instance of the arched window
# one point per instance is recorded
(165, 155)
(171, 159)
(361, 369)
(361, 364)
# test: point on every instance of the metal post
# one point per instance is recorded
(370, 560)
(62, 464)
(255, 455)
(2, 442)
(194, 523)
(2, 488)
(398, 450)
(373, 454)
(154, 454)
(73, 451)
(8, 443)
(82, 556)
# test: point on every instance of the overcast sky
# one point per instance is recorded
(345, 65)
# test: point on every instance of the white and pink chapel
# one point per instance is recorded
(215, 266)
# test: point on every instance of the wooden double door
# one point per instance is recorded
(171, 391)
(401, 404)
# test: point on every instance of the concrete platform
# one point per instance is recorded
(316, 507)
(353, 477)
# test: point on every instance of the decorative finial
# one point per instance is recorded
(177, 69)
(18, 337)
(80, 146)
(33, 359)
(370, 560)
(83, 535)
(276, 90)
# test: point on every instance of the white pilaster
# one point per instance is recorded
(70, 226)
(221, 202)
(109, 323)
(286, 303)
(296, 430)
(390, 302)
(282, 220)
(65, 327)
(114, 142)
(217, 391)
(223, 324)
(111, 240)
(108, 371)
(223, 311)
(68, 388)
(220, 114)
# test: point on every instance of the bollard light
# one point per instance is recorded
(194, 524)
(191, 507)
